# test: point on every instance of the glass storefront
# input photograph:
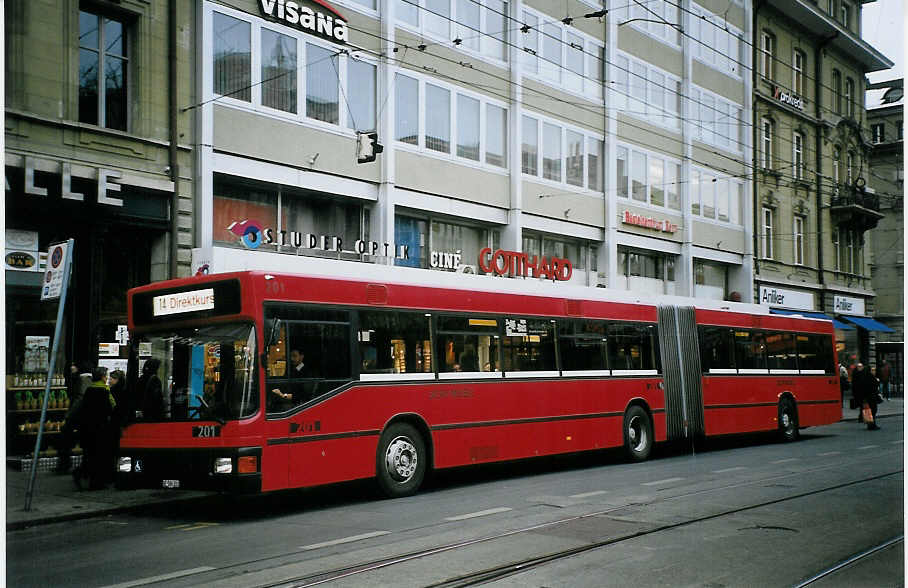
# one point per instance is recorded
(254, 215)
(442, 245)
(710, 280)
(649, 272)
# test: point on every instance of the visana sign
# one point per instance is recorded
(788, 98)
(515, 263)
(322, 21)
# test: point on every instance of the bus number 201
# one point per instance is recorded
(206, 431)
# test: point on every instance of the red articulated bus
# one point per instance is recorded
(265, 381)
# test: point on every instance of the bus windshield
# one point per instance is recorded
(205, 373)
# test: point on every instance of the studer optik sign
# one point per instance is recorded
(314, 17)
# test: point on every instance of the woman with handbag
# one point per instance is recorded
(865, 387)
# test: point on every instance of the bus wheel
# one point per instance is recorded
(401, 460)
(788, 420)
(638, 434)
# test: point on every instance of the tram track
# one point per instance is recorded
(492, 573)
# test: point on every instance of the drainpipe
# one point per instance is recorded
(818, 87)
(174, 133)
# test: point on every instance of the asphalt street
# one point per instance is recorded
(742, 511)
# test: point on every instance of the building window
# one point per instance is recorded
(849, 97)
(648, 178)
(898, 130)
(647, 93)
(278, 71)
(622, 171)
(879, 132)
(569, 155)
(452, 123)
(797, 72)
(103, 55)
(849, 166)
(716, 43)
(766, 152)
(407, 111)
(799, 240)
(846, 15)
(530, 152)
(719, 120)
(468, 127)
(558, 54)
(797, 156)
(767, 233)
(836, 250)
(767, 50)
(480, 30)
(836, 169)
(232, 57)
(338, 89)
(837, 91)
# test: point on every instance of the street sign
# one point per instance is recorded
(57, 267)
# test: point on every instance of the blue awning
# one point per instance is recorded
(816, 315)
(865, 322)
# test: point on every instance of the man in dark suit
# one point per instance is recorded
(298, 369)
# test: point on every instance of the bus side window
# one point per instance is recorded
(716, 349)
(780, 351)
(394, 342)
(750, 350)
(633, 346)
(468, 344)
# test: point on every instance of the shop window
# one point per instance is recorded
(750, 351)
(583, 345)
(710, 280)
(528, 345)
(632, 346)
(468, 344)
(278, 71)
(394, 342)
(414, 234)
(716, 350)
(647, 272)
(305, 215)
(535, 244)
(103, 71)
(235, 203)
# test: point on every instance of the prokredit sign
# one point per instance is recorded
(517, 264)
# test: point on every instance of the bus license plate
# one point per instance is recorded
(170, 484)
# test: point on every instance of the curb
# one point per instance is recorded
(75, 516)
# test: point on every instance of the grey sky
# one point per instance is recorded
(884, 28)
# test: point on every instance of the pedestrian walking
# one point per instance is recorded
(93, 421)
(865, 389)
(77, 380)
(150, 401)
(885, 372)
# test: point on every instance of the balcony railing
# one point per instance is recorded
(852, 205)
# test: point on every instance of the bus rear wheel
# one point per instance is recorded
(401, 460)
(638, 434)
(788, 420)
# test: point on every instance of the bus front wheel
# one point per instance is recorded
(638, 434)
(401, 460)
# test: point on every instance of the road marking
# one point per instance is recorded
(481, 513)
(345, 540)
(587, 494)
(729, 470)
(191, 526)
(829, 453)
(665, 481)
(785, 460)
(161, 578)
(868, 447)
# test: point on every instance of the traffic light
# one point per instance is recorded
(367, 147)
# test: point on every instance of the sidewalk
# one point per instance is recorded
(56, 499)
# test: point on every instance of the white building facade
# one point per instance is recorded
(601, 146)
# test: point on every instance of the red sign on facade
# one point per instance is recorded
(515, 263)
(648, 222)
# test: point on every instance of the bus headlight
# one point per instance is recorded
(124, 464)
(223, 465)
